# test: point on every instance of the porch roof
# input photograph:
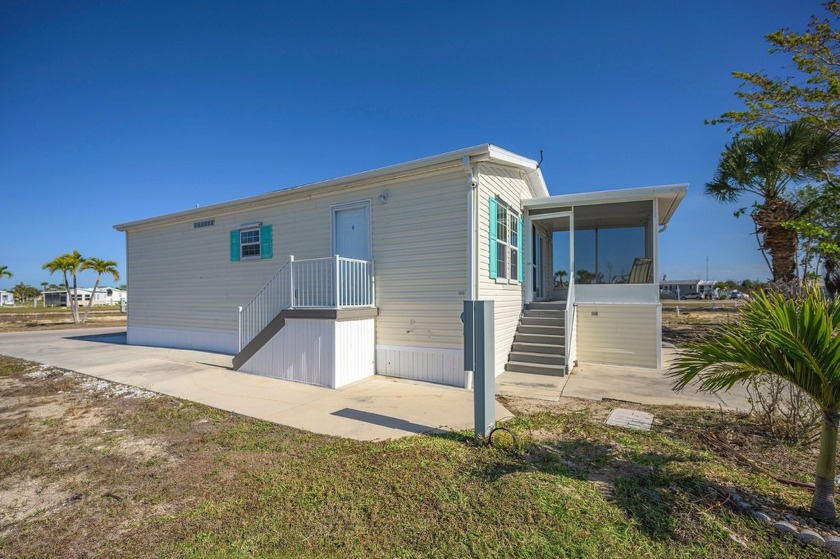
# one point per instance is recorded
(667, 196)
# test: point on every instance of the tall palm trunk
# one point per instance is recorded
(822, 505)
(778, 240)
(92, 297)
(831, 266)
(75, 299)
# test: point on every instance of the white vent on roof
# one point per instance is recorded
(205, 223)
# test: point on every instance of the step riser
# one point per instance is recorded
(552, 350)
(540, 358)
(535, 369)
(539, 339)
(542, 330)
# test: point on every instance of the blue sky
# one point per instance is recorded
(115, 111)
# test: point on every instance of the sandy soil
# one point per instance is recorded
(21, 322)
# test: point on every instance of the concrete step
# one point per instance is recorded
(536, 368)
(544, 358)
(547, 305)
(530, 347)
(541, 329)
(539, 339)
(541, 321)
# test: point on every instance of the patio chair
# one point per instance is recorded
(642, 271)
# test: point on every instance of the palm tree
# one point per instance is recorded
(558, 278)
(767, 164)
(4, 272)
(797, 340)
(100, 267)
(69, 265)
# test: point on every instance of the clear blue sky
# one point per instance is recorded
(115, 111)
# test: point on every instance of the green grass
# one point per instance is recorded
(236, 487)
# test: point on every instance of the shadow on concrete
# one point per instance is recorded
(118, 338)
(385, 421)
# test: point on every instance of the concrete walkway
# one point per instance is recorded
(597, 381)
(373, 409)
(645, 386)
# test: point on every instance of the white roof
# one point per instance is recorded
(475, 154)
(668, 196)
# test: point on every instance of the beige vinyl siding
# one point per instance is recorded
(511, 186)
(618, 334)
(182, 278)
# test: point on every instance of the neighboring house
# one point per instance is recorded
(7, 298)
(706, 288)
(103, 296)
(366, 274)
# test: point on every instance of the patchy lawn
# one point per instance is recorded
(695, 318)
(24, 319)
(89, 468)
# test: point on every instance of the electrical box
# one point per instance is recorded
(480, 358)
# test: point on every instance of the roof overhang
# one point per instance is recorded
(668, 198)
(475, 154)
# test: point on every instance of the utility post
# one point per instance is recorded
(479, 357)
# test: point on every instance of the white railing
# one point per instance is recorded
(319, 283)
(570, 326)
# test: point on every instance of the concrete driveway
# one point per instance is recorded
(376, 408)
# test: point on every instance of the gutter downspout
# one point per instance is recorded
(472, 230)
(472, 246)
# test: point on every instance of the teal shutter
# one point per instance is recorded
(493, 246)
(266, 247)
(234, 245)
(519, 247)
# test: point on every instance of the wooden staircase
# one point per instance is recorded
(540, 342)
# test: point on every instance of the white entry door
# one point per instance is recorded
(351, 231)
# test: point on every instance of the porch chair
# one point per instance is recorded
(642, 271)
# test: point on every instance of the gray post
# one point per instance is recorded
(479, 357)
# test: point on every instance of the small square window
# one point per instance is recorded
(249, 242)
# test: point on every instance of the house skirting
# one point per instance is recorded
(181, 338)
(429, 364)
(319, 351)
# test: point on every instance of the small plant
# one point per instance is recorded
(788, 414)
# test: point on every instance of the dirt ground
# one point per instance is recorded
(21, 321)
(689, 321)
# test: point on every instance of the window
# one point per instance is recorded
(249, 241)
(501, 240)
(252, 241)
(505, 239)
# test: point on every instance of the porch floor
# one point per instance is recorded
(376, 408)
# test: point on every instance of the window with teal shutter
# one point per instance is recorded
(519, 247)
(234, 245)
(492, 210)
(266, 248)
(251, 243)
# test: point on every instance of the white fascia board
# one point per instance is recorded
(673, 192)
(504, 156)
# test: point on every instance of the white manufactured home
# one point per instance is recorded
(335, 281)
(103, 296)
